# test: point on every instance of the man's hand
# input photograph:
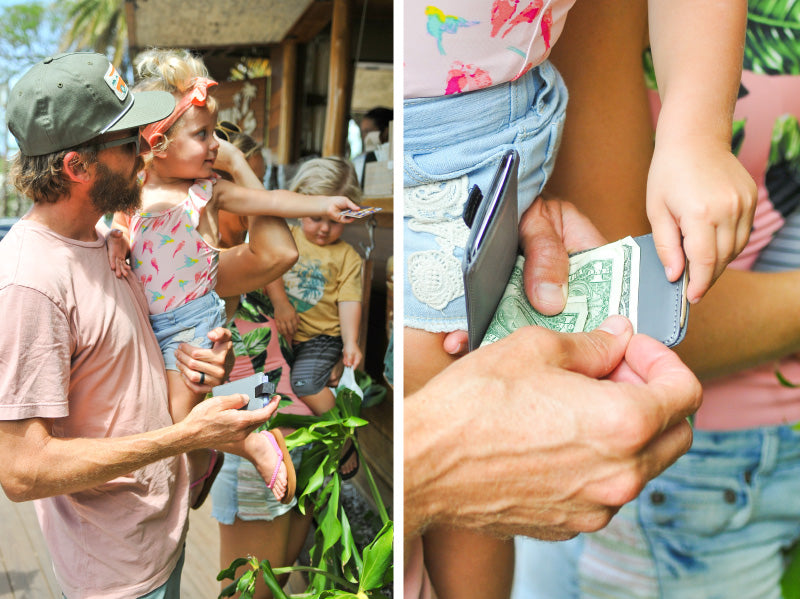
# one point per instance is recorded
(218, 422)
(202, 369)
(549, 231)
(519, 437)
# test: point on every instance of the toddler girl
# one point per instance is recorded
(174, 238)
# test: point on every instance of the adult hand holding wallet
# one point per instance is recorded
(613, 279)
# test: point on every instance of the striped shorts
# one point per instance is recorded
(313, 362)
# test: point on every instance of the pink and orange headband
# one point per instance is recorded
(196, 96)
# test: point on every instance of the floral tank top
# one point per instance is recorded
(168, 255)
(454, 46)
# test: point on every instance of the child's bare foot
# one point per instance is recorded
(267, 451)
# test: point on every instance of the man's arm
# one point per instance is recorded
(43, 465)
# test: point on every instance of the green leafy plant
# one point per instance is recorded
(338, 568)
(772, 37)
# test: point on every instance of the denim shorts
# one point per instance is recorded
(189, 323)
(715, 525)
(239, 491)
(451, 143)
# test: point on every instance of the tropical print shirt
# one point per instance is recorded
(454, 46)
(766, 139)
(168, 255)
(322, 277)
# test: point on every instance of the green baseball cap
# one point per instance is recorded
(68, 99)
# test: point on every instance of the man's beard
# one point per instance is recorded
(111, 192)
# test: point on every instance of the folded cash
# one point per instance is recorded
(603, 281)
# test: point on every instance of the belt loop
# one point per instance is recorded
(770, 447)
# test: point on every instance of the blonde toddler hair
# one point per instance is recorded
(327, 176)
(172, 70)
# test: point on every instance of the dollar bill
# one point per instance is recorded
(602, 282)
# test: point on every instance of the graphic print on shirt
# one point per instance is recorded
(505, 16)
(171, 275)
(305, 283)
(504, 12)
(439, 24)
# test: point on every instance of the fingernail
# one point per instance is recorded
(668, 272)
(552, 294)
(616, 325)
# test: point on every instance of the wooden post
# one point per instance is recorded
(288, 102)
(333, 143)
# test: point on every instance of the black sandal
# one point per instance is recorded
(343, 460)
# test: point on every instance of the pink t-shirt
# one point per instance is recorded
(457, 46)
(171, 259)
(77, 348)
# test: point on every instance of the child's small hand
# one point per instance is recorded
(286, 319)
(352, 354)
(700, 192)
(227, 155)
(118, 250)
(338, 204)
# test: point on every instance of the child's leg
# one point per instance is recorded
(462, 564)
(314, 363)
(181, 402)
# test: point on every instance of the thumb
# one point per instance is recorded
(236, 401)
(597, 353)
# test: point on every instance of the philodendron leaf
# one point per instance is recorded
(230, 571)
(329, 524)
(247, 583)
(272, 581)
(772, 37)
(377, 559)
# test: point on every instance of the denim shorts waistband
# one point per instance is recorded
(480, 112)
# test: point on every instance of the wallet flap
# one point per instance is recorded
(663, 309)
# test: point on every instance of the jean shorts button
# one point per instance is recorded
(748, 477)
(657, 497)
(730, 496)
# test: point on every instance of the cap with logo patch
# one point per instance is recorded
(66, 100)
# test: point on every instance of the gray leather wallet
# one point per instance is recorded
(491, 246)
(663, 309)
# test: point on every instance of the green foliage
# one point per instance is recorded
(790, 582)
(738, 136)
(785, 143)
(773, 37)
(98, 25)
(339, 570)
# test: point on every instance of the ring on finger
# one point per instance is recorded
(202, 378)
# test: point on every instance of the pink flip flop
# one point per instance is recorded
(276, 439)
(214, 466)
